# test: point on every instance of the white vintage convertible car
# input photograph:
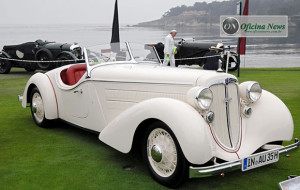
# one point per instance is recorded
(188, 122)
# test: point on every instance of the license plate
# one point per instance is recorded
(259, 160)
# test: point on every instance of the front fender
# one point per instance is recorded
(67, 53)
(270, 121)
(43, 83)
(5, 54)
(190, 129)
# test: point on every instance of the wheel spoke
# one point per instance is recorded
(162, 139)
(38, 105)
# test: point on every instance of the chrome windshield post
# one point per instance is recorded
(130, 52)
(88, 67)
(156, 53)
(228, 53)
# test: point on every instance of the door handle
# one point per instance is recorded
(78, 91)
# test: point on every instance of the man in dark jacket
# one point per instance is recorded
(212, 62)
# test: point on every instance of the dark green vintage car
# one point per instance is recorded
(36, 55)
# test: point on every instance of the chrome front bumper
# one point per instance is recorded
(20, 98)
(197, 172)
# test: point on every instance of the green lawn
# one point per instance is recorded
(68, 158)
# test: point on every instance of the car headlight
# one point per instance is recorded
(250, 91)
(254, 92)
(76, 53)
(204, 98)
(200, 98)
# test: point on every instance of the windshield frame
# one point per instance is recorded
(131, 60)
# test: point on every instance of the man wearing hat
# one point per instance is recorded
(170, 49)
(212, 60)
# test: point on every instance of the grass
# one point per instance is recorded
(68, 158)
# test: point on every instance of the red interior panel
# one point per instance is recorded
(73, 74)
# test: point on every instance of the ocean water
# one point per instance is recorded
(264, 53)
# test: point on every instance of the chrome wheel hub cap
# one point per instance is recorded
(162, 152)
(38, 107)
(156, 153)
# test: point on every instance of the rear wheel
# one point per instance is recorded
(44, 57)
(5, 65)
(37, 109)
(233, 63)
(163, 156)
(233, 66)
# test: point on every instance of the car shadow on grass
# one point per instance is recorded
(127, 162)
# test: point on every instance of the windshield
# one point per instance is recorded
(121, 52)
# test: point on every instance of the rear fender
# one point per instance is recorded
(190, 129)
(44, 85)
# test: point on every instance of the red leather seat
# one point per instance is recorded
(73, 74)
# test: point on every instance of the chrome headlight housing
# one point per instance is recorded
(254, 91)
(250, 91)
(204, 98)
(200, 98)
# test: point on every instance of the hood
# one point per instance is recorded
(152, 73)
(53, 45)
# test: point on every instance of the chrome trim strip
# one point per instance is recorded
(228, 115)
(197, 172)
(121, 101)
(67, 88)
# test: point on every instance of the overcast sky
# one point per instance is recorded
(84, 11)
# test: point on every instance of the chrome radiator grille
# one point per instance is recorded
(226, 106)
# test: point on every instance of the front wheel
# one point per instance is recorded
(5, 65)
(163, 156)
(37, 109)
(66, 60)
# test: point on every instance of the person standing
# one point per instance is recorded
(170, 49)
(212, 60)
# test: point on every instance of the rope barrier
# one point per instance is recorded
(191, 58)
(35, 61)
(65, 61)
(194, 58)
